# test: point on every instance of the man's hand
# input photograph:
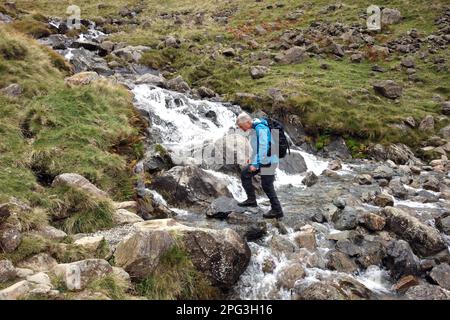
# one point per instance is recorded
(252, 169)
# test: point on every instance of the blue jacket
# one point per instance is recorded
(260, 141)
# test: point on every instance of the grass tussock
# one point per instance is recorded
(176, 278)
(112, 286)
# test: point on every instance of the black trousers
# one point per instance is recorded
(266, 183)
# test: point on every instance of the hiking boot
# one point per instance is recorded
(248, 203)
(272, 214)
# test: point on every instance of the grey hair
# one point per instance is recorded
(242, 118)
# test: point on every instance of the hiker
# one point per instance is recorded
(261, 162)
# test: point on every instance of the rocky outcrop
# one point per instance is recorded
(424, 240)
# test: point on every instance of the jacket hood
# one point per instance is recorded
(258, 121)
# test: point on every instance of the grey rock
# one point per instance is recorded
(441, 275)
(7, 271)
(388, 88)
(427, 292)
(400, 259)
(310, 179)
(13, 90)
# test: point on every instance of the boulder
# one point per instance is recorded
(427, 123)
(205, 92)
(258, 72)
(320, 291)
(338, 287)
(445, 132)
(248, 226)
(424, 240)
(190, 185)
(335, 165)
(90, 243)
(443, 223)
(7, 271)
(221, 207)
(364, 179)
(341, 262)
(400, 259)
(178, 84)
(388, 88)
(345, 219)
(13, 90)
(221, 255)
(306, 238)
(383, 200)
(292, 55)
(75, 180)
(441, 275)
(337, 149)
(372, 252)
(130, 54)
(427, 292)
(398, 190)
(310, 179)
(293, 163)
(77, 275)
(372, 221)
(289, 274)
(348, 247)
(432, 183)
(390, 16)
(229, 52)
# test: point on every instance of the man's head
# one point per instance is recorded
(244, 121)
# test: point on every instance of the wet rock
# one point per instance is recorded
(178, 84)
(268, 265)
(427, 292)
(306, 238)
(340, 203)
(388, 88)
(13, 90)
(190, 185)
(247, 226)
(258, 72)
(289, 274)
(427, 123)
(348, 247)
(372, 221)
(310, 179)
(341, 262)
(397, 188)
(292, 55)
(425, 240)
(441, 275)
(74, 180)
(38, 263)
(390, 16)
(337, 149)
(337, 236)
(400, 259)
(383, 172)
(432, 183)
(405, 283)
(383, 200)
(7, 271)
(77, 275)
(221, 207)
(443, 223)
(320, 291)
(372, 253)
(345, 219)
(335, 165)
(365, 179)
(293, 163)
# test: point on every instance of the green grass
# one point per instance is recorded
(176, 278)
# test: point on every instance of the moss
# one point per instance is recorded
(176, 278)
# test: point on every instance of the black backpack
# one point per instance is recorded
(282, 140)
